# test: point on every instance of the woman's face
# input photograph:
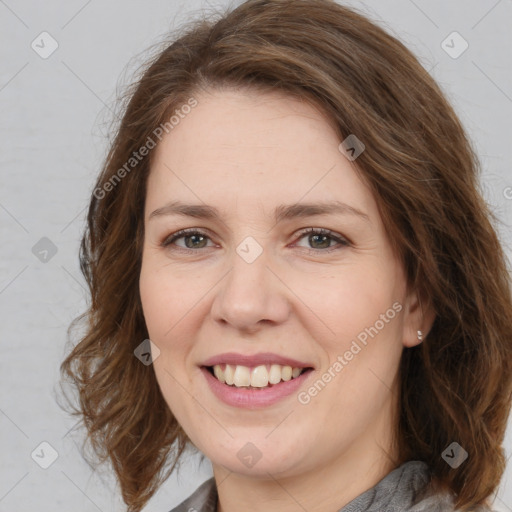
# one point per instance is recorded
(286, 259)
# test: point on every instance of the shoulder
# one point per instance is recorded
(442, 503)
(413, 488)
(432, 498)
(203, 499)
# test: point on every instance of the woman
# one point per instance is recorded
(289, 212)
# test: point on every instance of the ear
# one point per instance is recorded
(418, 316)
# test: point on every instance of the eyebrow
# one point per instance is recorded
(282, 212)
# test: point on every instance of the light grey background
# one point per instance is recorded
(55, 115)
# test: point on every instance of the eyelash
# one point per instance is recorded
(183, 233)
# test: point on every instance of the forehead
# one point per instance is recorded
(249, 147)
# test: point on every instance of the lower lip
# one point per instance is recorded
(251, 398)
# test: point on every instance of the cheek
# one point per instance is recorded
(155, 303)
(166, 298)
(352, 299)
(362, 309)
(168, 315)
(173, 304)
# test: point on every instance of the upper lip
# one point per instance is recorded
(254, 360)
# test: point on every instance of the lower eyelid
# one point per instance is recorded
(336, 247)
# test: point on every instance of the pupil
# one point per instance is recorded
(192, 245)
(325, 241)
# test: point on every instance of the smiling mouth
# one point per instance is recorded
(258, 377)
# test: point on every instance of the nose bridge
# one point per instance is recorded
(250, 295)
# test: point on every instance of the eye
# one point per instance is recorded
(320, 239)
(192, 238)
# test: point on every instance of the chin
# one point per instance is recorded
(277, 465)
(257, 455)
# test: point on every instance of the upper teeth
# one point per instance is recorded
(259, 377)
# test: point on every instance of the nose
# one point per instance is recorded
(250, 296)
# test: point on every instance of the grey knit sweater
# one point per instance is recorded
(405, 489)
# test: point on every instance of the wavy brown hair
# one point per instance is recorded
(423, 172)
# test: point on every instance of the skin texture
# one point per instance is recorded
(245, 154)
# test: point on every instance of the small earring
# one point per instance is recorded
(420, 335)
